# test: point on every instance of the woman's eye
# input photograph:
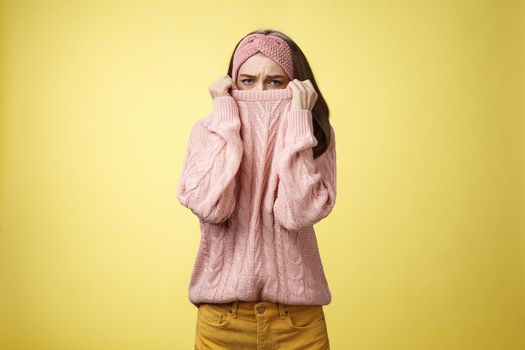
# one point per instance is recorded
(248, 81)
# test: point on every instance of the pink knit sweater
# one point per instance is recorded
(250, 177)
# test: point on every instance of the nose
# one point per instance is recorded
(260, 86)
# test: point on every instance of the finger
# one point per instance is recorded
(309, 86)
(293, 86)
(233, 85)
(307, 82)
(296, 83)
(301, 85)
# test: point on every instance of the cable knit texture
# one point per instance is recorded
(250, 177)
(272, 46)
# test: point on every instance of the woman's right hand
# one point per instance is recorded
(221, 86)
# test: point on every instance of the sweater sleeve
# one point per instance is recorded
(212, 159)
(307, 187)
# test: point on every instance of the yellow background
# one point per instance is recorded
(424, 249)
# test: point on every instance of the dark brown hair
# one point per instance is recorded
(302, 70)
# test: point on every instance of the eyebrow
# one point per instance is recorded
(269, 76)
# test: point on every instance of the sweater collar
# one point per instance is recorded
(251, 95)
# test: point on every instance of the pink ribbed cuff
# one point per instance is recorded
(300, 122)
(225, 109)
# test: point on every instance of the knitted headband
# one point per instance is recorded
(270, 45)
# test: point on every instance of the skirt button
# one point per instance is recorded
(261, 310)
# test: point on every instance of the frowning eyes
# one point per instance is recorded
(248, 81)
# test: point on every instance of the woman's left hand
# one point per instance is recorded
(304, 95)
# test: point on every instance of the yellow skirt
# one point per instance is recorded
(261, 325)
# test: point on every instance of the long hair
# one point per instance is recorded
(302, 70)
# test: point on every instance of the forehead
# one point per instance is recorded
(260, 64)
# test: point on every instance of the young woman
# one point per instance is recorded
(259, 172)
